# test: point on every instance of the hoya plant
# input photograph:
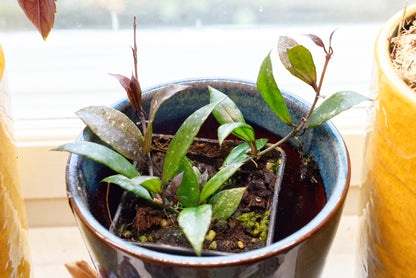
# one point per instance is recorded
(298, 60)
(180, 188)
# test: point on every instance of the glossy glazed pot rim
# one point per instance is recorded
(382, 52)
(333, 205)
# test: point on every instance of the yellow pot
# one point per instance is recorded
(388, 240)
(14, 242)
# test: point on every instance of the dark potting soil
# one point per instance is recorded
(151, 224)
(301, 197)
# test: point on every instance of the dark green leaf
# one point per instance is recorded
(189, 187)
(183, 139)
(195, 224)
(126, 184)
(225, 202)
(102, 155)
(239, 153)
(158, 99)
(334, 105)
(297, 59)
(216, 182)
(151, 183)
(271, 94)
(114, 128)
(226, 129)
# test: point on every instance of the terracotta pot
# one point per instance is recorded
(14, 241)
(389, 234)
(301, 254)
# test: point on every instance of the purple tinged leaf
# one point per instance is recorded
(124, 81)
(158, 99)
(332, 34)
(115, 129)
(41, 13)
(317, 40)
(175, 182)
(132, 88)
(136, 93)
(283, 45)
(331, 51)
(203, 179)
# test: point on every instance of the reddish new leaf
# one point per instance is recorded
(124, 81)
(317, 40)
(41, 13)
(132, 88)
(136, 92)
(176, 181)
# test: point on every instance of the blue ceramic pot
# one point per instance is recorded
(301, 254)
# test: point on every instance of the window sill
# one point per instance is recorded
(65, 245)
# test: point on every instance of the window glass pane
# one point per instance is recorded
(178, 39)
(168, 13)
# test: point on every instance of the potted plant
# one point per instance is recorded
(388, 237)
(178, 192)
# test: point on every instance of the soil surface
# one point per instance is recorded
(142, 222)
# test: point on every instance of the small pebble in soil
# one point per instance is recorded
(213, 245)
(211, 235)
(240, 244)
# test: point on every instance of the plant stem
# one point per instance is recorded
(141, 115)
(327, 58)
(297, 129)
(277, 144)
(135, 49)
(253, 148)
